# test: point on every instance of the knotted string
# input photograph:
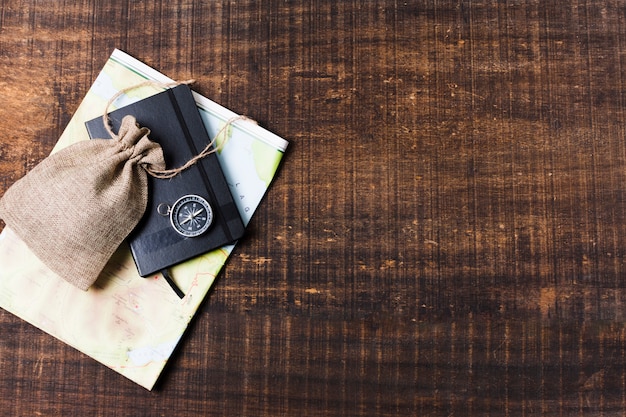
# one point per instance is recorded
(209, 149)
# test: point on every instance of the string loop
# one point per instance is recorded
(209, 149)
(147, 83)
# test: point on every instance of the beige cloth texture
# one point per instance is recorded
(77, 206)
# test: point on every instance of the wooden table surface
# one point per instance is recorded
(447, 233)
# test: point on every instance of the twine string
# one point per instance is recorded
(209, 149)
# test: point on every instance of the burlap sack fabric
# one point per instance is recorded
(76, 207)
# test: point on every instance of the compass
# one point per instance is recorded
(191, 215)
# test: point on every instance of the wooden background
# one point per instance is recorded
(447, 234)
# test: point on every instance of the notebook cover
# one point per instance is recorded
(175, 123)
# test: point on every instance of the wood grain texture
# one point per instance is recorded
(447, 233)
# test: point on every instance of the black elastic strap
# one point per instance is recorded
(170, 281)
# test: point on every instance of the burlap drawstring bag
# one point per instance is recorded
(76, 207)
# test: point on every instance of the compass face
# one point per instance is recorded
(191, 215)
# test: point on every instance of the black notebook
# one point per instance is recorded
(193, 212)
